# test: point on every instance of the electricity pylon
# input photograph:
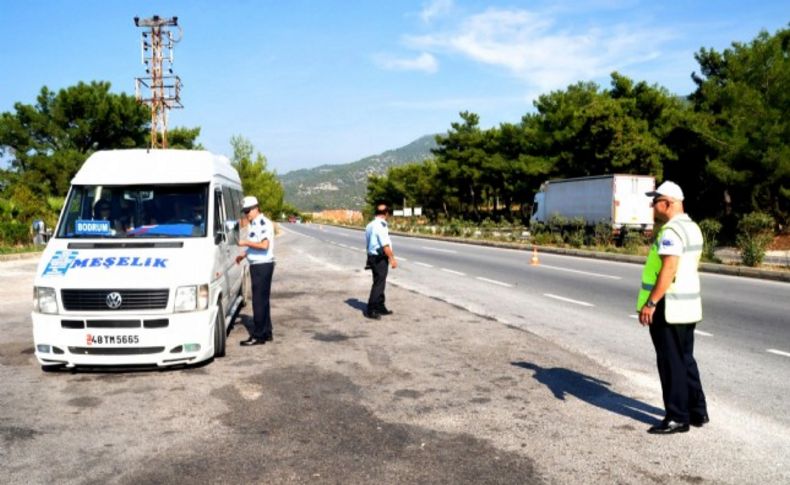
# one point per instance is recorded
(162, 93)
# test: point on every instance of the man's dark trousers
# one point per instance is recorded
(677, 369)
(379, 267)
(261, 276)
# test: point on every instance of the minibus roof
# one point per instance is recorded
(142, 167)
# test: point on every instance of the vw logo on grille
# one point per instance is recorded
(114, 300)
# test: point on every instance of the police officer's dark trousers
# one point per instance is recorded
(680, 382)
(261, 277)
(379, 267)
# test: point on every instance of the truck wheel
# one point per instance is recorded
(219, 333)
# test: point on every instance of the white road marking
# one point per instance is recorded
(778, 352)
(588, 273)
(424, 265)
(439, 250)
(446, 270)
(401, 258)
(494, 282)
(635, 317)
(562, 298)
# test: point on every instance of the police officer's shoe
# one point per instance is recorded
(700, 421)
(372, 315)
(385, 311)
(668, 426)
(252, 341)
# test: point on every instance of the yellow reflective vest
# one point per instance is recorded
(682, 302)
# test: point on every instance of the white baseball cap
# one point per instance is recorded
(668, 189)
(249, 202)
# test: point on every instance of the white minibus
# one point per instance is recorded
(141, 270)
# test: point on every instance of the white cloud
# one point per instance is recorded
(435, 8)
(530, 46)
(424, 62)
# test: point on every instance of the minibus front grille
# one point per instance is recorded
(96, 300)
(113, 323)
(115, 350)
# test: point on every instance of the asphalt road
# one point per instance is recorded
(743, 344)
(470, 381)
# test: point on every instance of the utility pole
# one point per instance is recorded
(162, 93)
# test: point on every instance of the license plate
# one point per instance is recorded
(112, 339)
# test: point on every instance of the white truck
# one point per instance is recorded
(617, 200)
(141, 269)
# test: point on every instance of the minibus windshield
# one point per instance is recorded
(138, 211)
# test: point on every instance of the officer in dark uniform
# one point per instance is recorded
(380, 257)
(260, 254)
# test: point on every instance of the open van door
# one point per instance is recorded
(226, 237)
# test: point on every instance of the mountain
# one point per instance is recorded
(344, 186)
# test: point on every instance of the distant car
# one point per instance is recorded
(292, 219)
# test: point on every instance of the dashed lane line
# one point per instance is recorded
(440, 250)
(424, 265)
(451, 271)
(778, 352)
(577, 271)
(569, 300)
(494, 282)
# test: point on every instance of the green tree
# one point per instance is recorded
(256, 179)
(47, 142)
(182, 138)
(743, 101)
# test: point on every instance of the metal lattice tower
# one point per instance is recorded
(161, 92)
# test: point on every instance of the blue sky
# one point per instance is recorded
(314, 82)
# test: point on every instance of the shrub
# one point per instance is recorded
(710, 230)
(574, 232)
(633, 239)
(755, 233)
(602, 234)
(557, 223)
(14, 233)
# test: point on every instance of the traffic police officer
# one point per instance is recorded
(380, 255)
(670, 303)
(260, 254)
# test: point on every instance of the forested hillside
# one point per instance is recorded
(344, 186)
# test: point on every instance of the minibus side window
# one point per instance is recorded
(219, 219)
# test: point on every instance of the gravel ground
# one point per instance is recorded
(431, 394)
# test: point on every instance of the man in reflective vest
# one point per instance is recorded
(670, 303)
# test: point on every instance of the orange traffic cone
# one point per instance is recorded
(534, 261)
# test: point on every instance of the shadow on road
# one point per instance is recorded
(356, 304)
(591, 390)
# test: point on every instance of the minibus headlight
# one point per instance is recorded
(44, 300)
(191, 298)
(186, 298)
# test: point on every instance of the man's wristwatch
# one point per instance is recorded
(650, 304)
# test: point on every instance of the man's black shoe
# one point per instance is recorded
(668, 426)
(372, 315)
(385, 311)
(252, 341)
(699, 421)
